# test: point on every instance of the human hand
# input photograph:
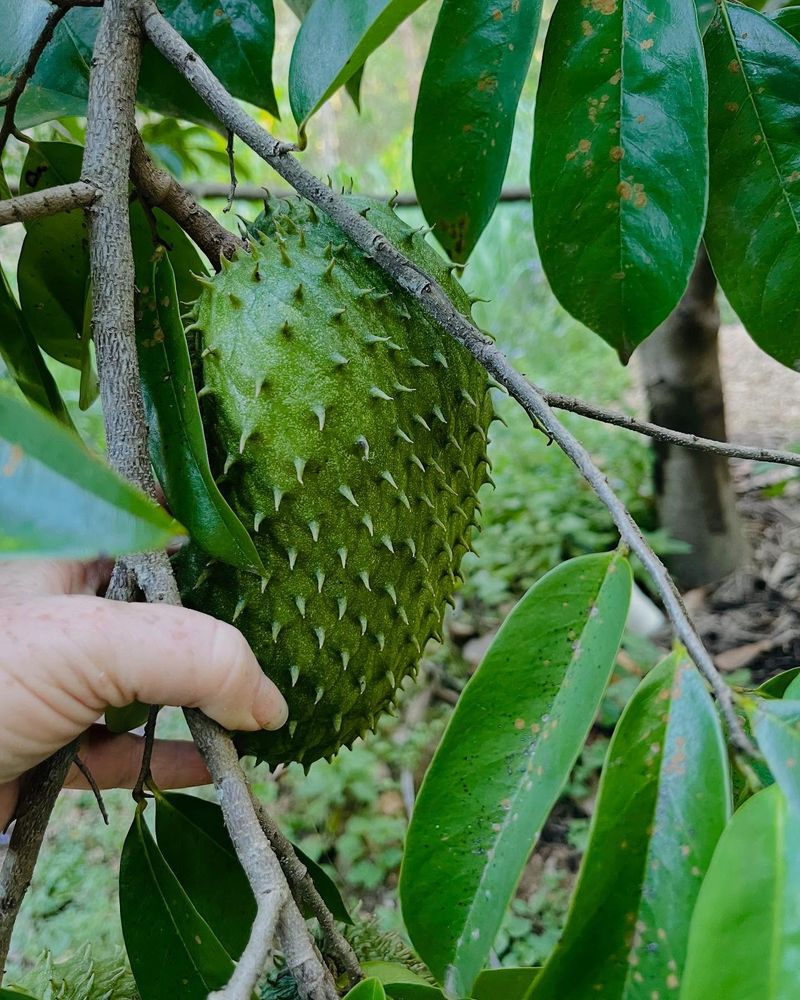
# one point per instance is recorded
(66, 655)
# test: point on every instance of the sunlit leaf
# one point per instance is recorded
(368, 989)
(745, 935)
(663, 802)
(508, 749)
(59, 501)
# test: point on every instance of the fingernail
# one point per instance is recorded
(270, 709)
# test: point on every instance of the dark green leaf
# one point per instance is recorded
(776, 727)
(464, 122)
(192, 837)
(413, 991)
(745, 935)
(753, 231)
(123, 720)
(172, 950)
(789, 20)
(619, 169)
(177, 445)
(14, 994)
(663, 802)
(507, 751)
(333, 43)
(792, 691)
(59, 501)
(24, 360)
(777, 686)
(53, 270)
(235, 37)
(368, 989)
(326, 887)
(503, 984)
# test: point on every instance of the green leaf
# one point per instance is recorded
(391, 973)
(777, 686)
(504, 984)
(619, 168)
(172, 950)
(123, 720)
(464, 122)
(789, 20)
(507, 751)
(58, 501)
(776, 727)
(192, 837)
(663, 802)
(753, 230)
(745, 935)
(792, 690)
(413, 991)
(23, 359)
(368, 989)
(14, 994)
(326, 887)
(333, 43)
(235, 37)
(53, 269)
(177, 445)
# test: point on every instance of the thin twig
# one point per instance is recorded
(93, 786)
(37, 798)
(659, 433)
(147, 753)
(232, 169)
(304, 890)
(437, 305)
(160, 190)
(50, 201)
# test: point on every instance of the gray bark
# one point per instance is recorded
(694, 493)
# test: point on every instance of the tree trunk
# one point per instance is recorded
(694, 493)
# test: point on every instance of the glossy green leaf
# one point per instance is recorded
(776, 687)
(177, 444)
(663, 802)
(53, 269)
(23, 359)
(333, 43)
(59, 501)
(391, 973)
(705, 13)
(504, 984)
(464, 122)
(792, 690)
(619, 167)
(776, 727)
(123, 720)
(508, 749)
(367, 989)
(326, 887)
(753, 230)
(192, 837)
(172, 950)
(235, 37)
(789, 19)
(745, 935)
(413, 991)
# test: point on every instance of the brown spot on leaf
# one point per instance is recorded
(584, 145)
(15, 455)
(640, 119)
(586, 29)
(497, 15)
(606, 7)
(733, 66)
(487, 83)
(616, 153)
(646, 44)
(731, 106)
(614, 80)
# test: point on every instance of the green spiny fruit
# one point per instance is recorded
(349, 434)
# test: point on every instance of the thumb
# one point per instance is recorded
(65, 659)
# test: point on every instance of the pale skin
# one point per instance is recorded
(67, 654)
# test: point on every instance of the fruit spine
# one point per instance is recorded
(349, 433)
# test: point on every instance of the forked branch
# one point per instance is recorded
(437, 305)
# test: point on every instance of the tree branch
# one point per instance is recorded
(252, 192)
(50, 201)
(304, 890)
(36, 801)
(659, 433)
(160, 190)
(437, 305)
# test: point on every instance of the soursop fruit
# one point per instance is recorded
(349, 434)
